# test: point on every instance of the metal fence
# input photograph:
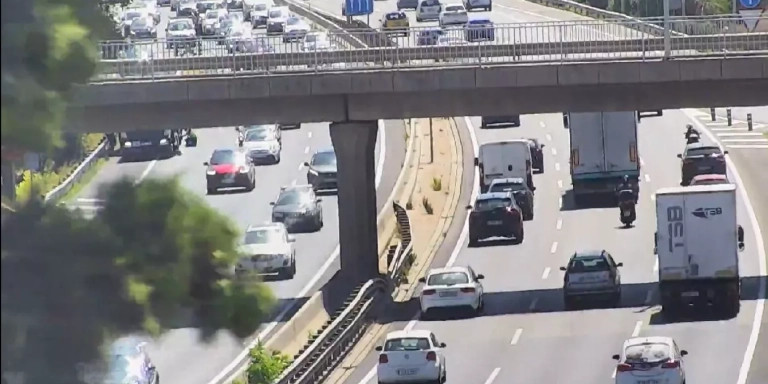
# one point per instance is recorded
(548, 42)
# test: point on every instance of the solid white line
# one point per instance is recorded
(146, 172)
(516, 337)
(718, 123)
(293, 182)
(382, 153)
(301, 165)
(752, 146)
(744, 140)
(642, 162)
(728, 129)
(554, 152)
(557, 166)
(553, 249)
(749, 353)
(638, 328)
(740, 134)
(541, 124)
(545, 274)
(230, 369)
(90, 200)
(613, 376)
(475, 187)
(648, 297)
(656, 265)
(533, 304)
(647, 178)
(559, 224)
(309, 134)
(493, 375)
(306, 150)
(561, 202)
(560, 184)
(549, 137)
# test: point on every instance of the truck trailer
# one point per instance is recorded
(697, 244)
(603, 150)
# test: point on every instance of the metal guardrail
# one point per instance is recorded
(77, 174)
(402, 257)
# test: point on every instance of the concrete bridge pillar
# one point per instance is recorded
(354, 143)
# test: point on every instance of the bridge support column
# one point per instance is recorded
(355, 143)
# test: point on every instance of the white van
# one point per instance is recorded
(504, 159)
(428, 10)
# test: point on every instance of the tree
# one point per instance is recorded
(265, 366)
(68, 283)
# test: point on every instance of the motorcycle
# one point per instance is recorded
(692, 136)
(240, 136)
(627, 213)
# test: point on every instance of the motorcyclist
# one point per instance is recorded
(691, 134)
(627, 199)
(625, 184)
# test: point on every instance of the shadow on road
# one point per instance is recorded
(590, 202)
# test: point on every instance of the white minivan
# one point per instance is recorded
(428, 10)
(504, 159)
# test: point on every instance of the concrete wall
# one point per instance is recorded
(386, 94)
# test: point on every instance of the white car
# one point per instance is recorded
(267, 249)
(655, 359)
(262, 143)
(486, 5)
(295, 29)
(317, 41)
(453, 14)
(212, 21)
(411, 357)
(452, 287)
(276, 18)
(258, 15)
(128, 16)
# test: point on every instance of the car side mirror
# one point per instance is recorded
(477, 161)
(443, 345)
(422, 280)
(619, 264)
(469, 207)
(533, 189)
(306, 164)
(683, 353)
(679, 155)
(543, 145)
(291, 239)
(480, 276)
(272, 203)
(725, 152)
(379, 348)
(206, 164)
(562, 268)
(616, 357)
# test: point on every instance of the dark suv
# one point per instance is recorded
(519, 188)
(322, 171)
(298, 208)
(495, 214)
(700, 159)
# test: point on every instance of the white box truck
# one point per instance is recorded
(697, 244)
(603, 150)
(504, 159)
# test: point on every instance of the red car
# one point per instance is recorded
(229, 168)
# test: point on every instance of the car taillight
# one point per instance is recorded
(431, 356)
(623, 368)
(687, 161)
(513, 212)
(428, 292)
(671, 364)
(243, 169)
(468, 290)
(383, 359)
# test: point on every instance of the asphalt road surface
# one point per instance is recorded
(180, 357)
(526, 336)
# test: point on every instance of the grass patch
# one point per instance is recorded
(427, 205)
(437, 184)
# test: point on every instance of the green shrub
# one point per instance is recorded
(266, 366)
(437, 184)
(427, 205)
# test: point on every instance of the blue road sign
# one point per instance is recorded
(749, 4)
(365, 7)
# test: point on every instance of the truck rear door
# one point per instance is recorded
(620, 140)
(710, 225)
(671, 237)
(503, 159)
(586, 143)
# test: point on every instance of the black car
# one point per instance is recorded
(512, 120)
(519, 188)
(138, 145)
(128, 362)
(593, 275)
(495, 214)
(700, 159)
(537, 155)
(321, 172)
(194, 15)
(298, 207)
(229, 168)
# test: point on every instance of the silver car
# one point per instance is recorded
(591, 275)
(267, 249)
(262, 143)
(299, 208)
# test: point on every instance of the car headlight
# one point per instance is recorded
(312, 172)
(274, 148)
(210, 172)
(127, 144)
(163, 141)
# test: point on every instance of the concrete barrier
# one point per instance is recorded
(83, 168)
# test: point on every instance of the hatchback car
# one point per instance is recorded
(267, 249)
(495, 215)
(128, 362)
(414, 356)
(519, 188)
(298, 207)
(322, 171)
(407, 4)
(229, 168)
(262, 143)
(316, 41)
(453, 14)
(395, 23)
(451, 287)
(486, 5)
(276, 18)
(591, 275)
(655, 359)
(295, 29)
(428, 10)
(479, 29)
(699, 159)
(537, 155)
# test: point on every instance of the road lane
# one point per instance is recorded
(518, 297)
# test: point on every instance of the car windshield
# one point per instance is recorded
(430, 3)
(132, 15)
(223, 157)
(448, 278)
(211, 15)
(589, 264)
(647, 353)
(277, 13)
(139, 23)
(507, 187)
(324, 158)
(407, 344)
(293, 21)
(454, 8)
(260, 7)
(207, 6)
(263, 236)
(292, 198)
(702, 151)
(180, 26)
(491, 204)
(259, 134)
(395, 16)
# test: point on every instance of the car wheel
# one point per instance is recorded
(292, 271)
(568, 302)
(473, 241)
(490, 9)
(425, 315)
(519, 238)
(616, 299)
(211, 190)
(251, 185)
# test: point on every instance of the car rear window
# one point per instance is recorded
(647, 353)
(324, 158)
(507, 187)
(491, 204)
(448, 278)
(480, 23)
(430, 3)
(223, 157)
(407, 344)
(395, 16)
(702, 151)
(589, 264)
(454, 8)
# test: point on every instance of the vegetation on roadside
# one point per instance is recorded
(437, 184)
(427, 205)
(266, 366)
(155, 251)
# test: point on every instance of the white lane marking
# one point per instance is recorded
(561, 202)
(231, 368)
(545, 274)
(613, 376)
(744, 140)
(554, 152)
(648, 297)
(301, 165)
(638, 328)
(493, 375)
(475, 187)
(146, 172)
(557, 166)
(553, 249)
(549, 137)
(306, 150)
(293, 182)
(727, 129)
(753, 146)
(559, 224)
(749, 353)
(533, 304)
(541, 124)
(653, 197)
(90, 200)
(382, 152)
(642, 162)
(656, 265)
(309, 134)
(516, 336)
(647, 178)
(560, 184)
